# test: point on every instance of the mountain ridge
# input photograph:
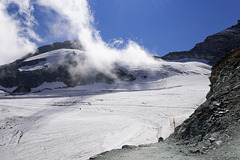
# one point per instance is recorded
(213, 48)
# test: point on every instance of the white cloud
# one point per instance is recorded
(25, 9)
(73, 19)
(13, 43)
(101, 55)
(26, 24)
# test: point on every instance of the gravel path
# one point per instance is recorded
(169, 151)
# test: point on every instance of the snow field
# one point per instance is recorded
(79, 122)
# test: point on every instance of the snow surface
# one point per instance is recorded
(76, 123)
(48, 85)
(79, 122)
(54, 58)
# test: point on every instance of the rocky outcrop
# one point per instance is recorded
(213, 48)
(217, 120)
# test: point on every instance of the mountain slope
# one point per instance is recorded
(213, 48)
(211, 132)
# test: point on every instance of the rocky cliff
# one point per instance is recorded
(213, 48)
(217, 121)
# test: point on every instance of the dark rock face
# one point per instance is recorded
(231, 59)
(11, 77)
(60, 45)
(213, 48)
(216, 120)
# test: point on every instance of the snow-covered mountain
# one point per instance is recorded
(66, 68)
(50, 67)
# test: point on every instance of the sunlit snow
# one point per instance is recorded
(79, 122)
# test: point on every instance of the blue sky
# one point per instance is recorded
(160, 26)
